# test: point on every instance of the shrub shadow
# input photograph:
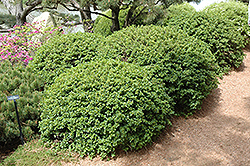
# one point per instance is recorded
(241, 68)
(209, 104)
(209, 137)
(164, 143)
(9, 148)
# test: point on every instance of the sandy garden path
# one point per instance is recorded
(219, 134)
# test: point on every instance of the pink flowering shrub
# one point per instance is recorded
(19, 44)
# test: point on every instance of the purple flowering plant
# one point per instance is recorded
(21, 42)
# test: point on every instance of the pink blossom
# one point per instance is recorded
(16, 45)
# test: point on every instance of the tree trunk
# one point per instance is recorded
(20, 18)
(15, 9)
(128, 19)
(87, 7)
(85, 15)
(115, 21)
(9, 4)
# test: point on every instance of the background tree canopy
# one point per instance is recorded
(22, 9)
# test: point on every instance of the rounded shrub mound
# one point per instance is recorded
(64, 52)
(185, 64)
(176, 10)
(235, 12)
(17, 80)
(223, 38)
(97, 107)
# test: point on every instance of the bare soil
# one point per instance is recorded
(217, 135)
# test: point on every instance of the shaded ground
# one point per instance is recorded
(219, 134)
(8, 149)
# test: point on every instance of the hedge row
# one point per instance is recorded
(235, 12)
(215, 26)
(121, 91)
(184, 63)
(127, 93)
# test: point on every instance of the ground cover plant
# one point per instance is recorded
(100, 106)
(64, 52)
(225, 40)
(35, 153)
(17, 80)
(185, 64)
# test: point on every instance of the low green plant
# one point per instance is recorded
(17, 80)
(100, 106)
(35, 153)
(66, 51)
(185, 64)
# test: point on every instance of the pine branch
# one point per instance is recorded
(88, 11)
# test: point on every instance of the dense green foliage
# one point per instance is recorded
(97, 107)
(235, 12)
(17, 80)
(244, 1)
(184, 63)
(63, 52)
(176, 10)
(223, 38)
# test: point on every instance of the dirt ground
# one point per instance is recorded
(218, 135)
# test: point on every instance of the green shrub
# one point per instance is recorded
(235, 12)
(184, 63)
(176, 10)
(223, 38)
(151, 16)
(97, 107)
(64, 52)
(103, 25)
(17, 80)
